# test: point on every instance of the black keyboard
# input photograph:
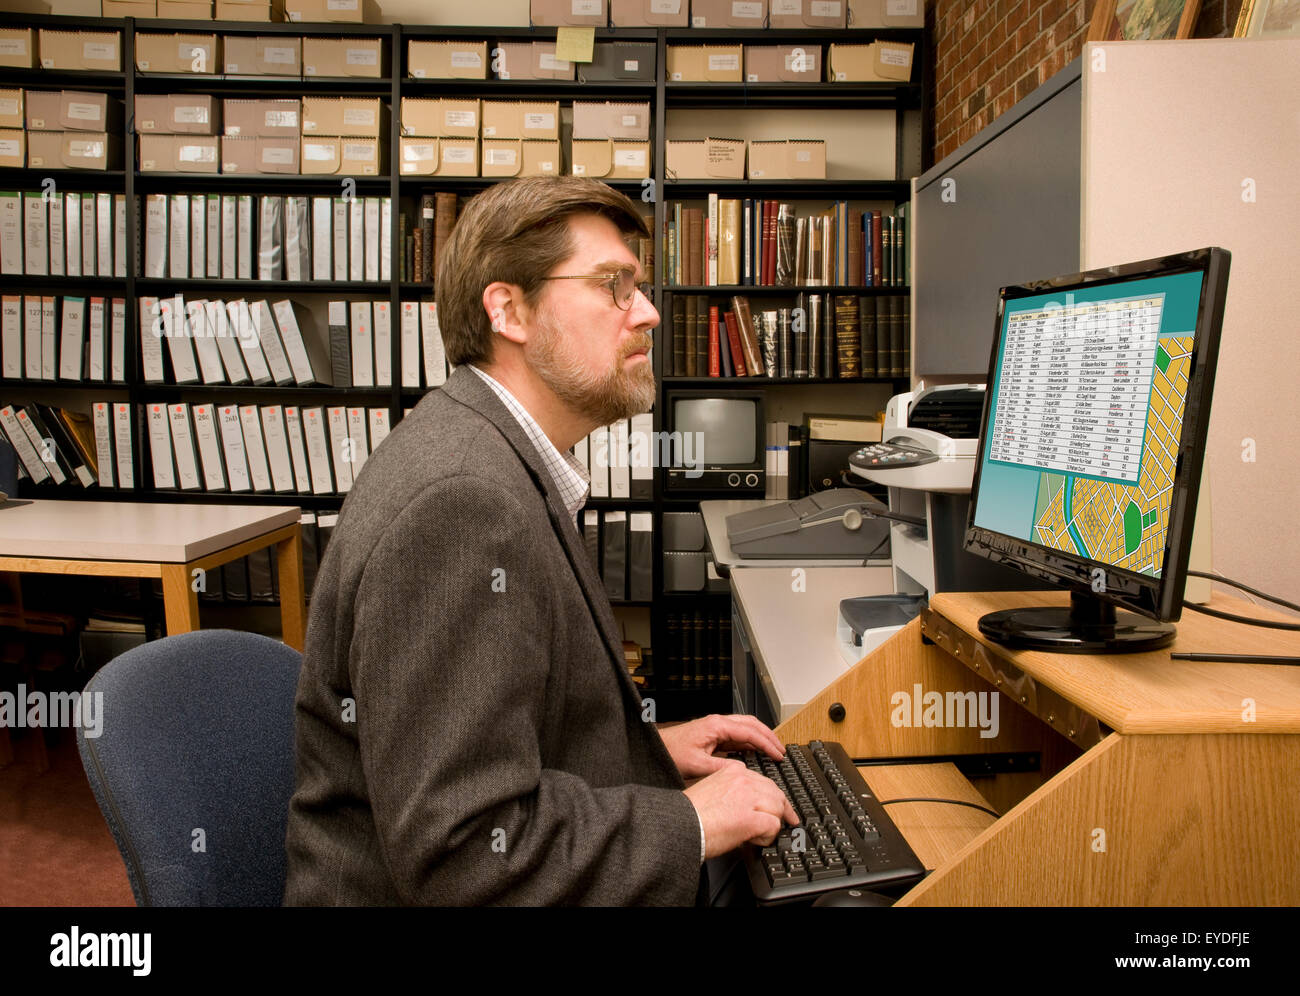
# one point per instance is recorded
(844, 838)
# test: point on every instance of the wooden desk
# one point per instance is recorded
(1161, 782)
(156, 540)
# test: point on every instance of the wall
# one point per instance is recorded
(988, 54)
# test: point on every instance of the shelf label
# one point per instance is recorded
(197, 154)
(83, 111)
(99, 51)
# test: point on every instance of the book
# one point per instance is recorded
(848, 341)
(748, 337)
(728, 241)
(715, 355)
(739, 366)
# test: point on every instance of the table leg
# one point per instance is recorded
(288, 561)
(180, 600)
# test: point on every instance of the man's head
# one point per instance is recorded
(534, 282)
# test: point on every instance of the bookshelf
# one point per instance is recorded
(909, 103)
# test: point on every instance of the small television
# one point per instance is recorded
(716, 442)
(1091, 446)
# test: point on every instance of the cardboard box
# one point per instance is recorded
(196, 10)
(728, 13)
(262, 55)
(269, 118)
(351, 156)
(179, 153)
(458, 157)
(72, 110)
(259, 154)
(176, 114)
(705, 63)
(619, 61)
(128, 8)
(420, 116)
(610, 159)
(793, 159)
(11, 109)
(886, 14)
(100, 50)
(520, 157)
(249, 10)
(417, 155)
(447, 60)
(361, 58)
(649, 13)
(74, 150)
(351, 116)
(879, 62)
(530, 61)
(344, 11)
(176, 53)
(518, 119)
(705, 159)
(13, 147)
(550, 12)
(595, 119)
(783, 63)
(17, 48)
(808, 14)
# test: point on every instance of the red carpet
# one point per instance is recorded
(55, 849)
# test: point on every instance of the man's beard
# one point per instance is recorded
(602, 398)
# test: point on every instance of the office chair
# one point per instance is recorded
(194, 766)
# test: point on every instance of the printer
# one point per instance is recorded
(926, 459)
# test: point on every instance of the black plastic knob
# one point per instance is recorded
(837, 712)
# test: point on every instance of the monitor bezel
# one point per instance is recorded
(671, 397)
(1158, 598)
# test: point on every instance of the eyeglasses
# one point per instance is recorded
(622, 285)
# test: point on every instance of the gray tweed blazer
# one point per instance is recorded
(466, 729)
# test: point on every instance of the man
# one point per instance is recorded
(466, 729)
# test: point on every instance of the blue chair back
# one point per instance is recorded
(193, 766)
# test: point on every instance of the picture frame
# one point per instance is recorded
(1268, 19)
(1133, 20)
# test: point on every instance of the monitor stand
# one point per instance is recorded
(1089, 626)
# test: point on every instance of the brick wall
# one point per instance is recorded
(988, 54)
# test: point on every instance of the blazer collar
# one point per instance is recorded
(470, 390)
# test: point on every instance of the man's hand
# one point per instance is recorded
(692, 744)
(736, 806)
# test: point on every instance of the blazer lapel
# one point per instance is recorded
(469, 389)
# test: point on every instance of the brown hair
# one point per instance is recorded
(516, 232)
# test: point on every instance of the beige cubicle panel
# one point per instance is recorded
(1196, 143)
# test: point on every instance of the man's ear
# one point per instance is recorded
(504, 304)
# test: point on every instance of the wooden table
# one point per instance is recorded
(156, 540)
(1157, 782)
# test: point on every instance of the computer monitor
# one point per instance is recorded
(1091, 446)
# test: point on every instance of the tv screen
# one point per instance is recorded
(726, 429)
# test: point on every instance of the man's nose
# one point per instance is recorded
(643, 311)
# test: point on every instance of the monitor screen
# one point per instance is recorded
(1094, 427)
(727, 429)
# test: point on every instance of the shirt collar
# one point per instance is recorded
(566, 471)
